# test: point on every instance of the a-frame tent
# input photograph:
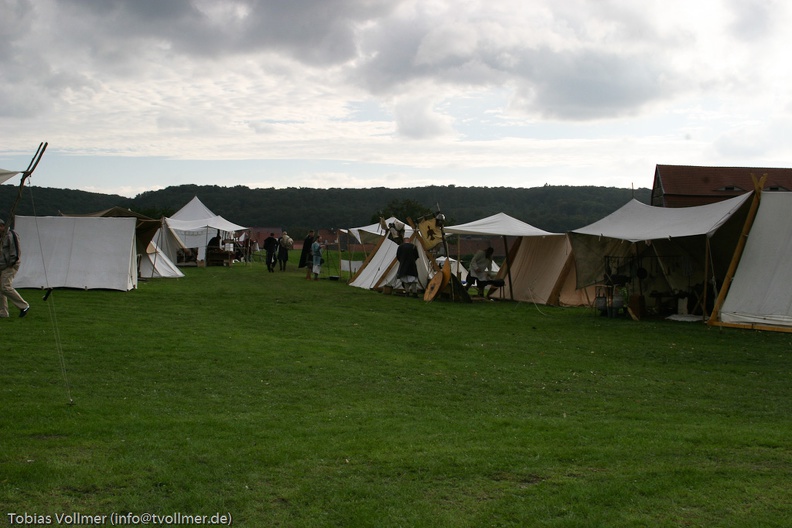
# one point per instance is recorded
(152, 262)
(195, 225)
(539, 266)
(77, 252)
(760, 294)
(155, 264)
(380, 267)
(666, 252)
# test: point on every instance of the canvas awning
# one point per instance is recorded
(675, 249)
(637, 221)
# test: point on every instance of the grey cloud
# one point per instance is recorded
(590, 85)
(753, 19)
(311, 31)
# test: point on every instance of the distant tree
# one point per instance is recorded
(402, 209)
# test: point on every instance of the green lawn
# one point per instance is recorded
(286, 402)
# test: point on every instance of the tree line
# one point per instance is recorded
(298, 209)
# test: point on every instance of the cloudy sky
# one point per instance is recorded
(135, 95)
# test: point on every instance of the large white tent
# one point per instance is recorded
(760, 295)
(539, 266)
(77, 252)
(195, 225)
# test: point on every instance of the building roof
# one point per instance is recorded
(685, 186)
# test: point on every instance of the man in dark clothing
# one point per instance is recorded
(305, 255)
(270, 247)
(407, 256)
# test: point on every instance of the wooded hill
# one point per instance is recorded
(552, 208)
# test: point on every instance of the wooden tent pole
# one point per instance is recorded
(707, 249)
(738, 251)
(340, 256)
(508, 268)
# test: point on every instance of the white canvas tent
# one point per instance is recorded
(381, 266)
(77, 252)
(152, 262)
(155, 264)
(760, 295)
(662, 251)
(539, 266)
(195, 224)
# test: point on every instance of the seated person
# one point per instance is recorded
(481, 273)
(214, 242)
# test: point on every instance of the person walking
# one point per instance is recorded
(285, 243)
(270, 250)
(9, 265)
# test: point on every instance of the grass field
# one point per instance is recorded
(285, 402)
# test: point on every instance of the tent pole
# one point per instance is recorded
(508, 268)
(707, 250)
(459, 257)
(758, 186)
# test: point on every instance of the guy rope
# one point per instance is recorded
(26, 176)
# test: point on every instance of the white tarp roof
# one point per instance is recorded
(637, 221)
(499, 224)
(6, 175)
(77, 252)
(668, 243)
(761, 292)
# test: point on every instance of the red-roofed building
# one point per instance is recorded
(686, 186)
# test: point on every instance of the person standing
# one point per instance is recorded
(9, 265)
(306, 260)
(270, 247)
(407, 256)
(316, 253)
